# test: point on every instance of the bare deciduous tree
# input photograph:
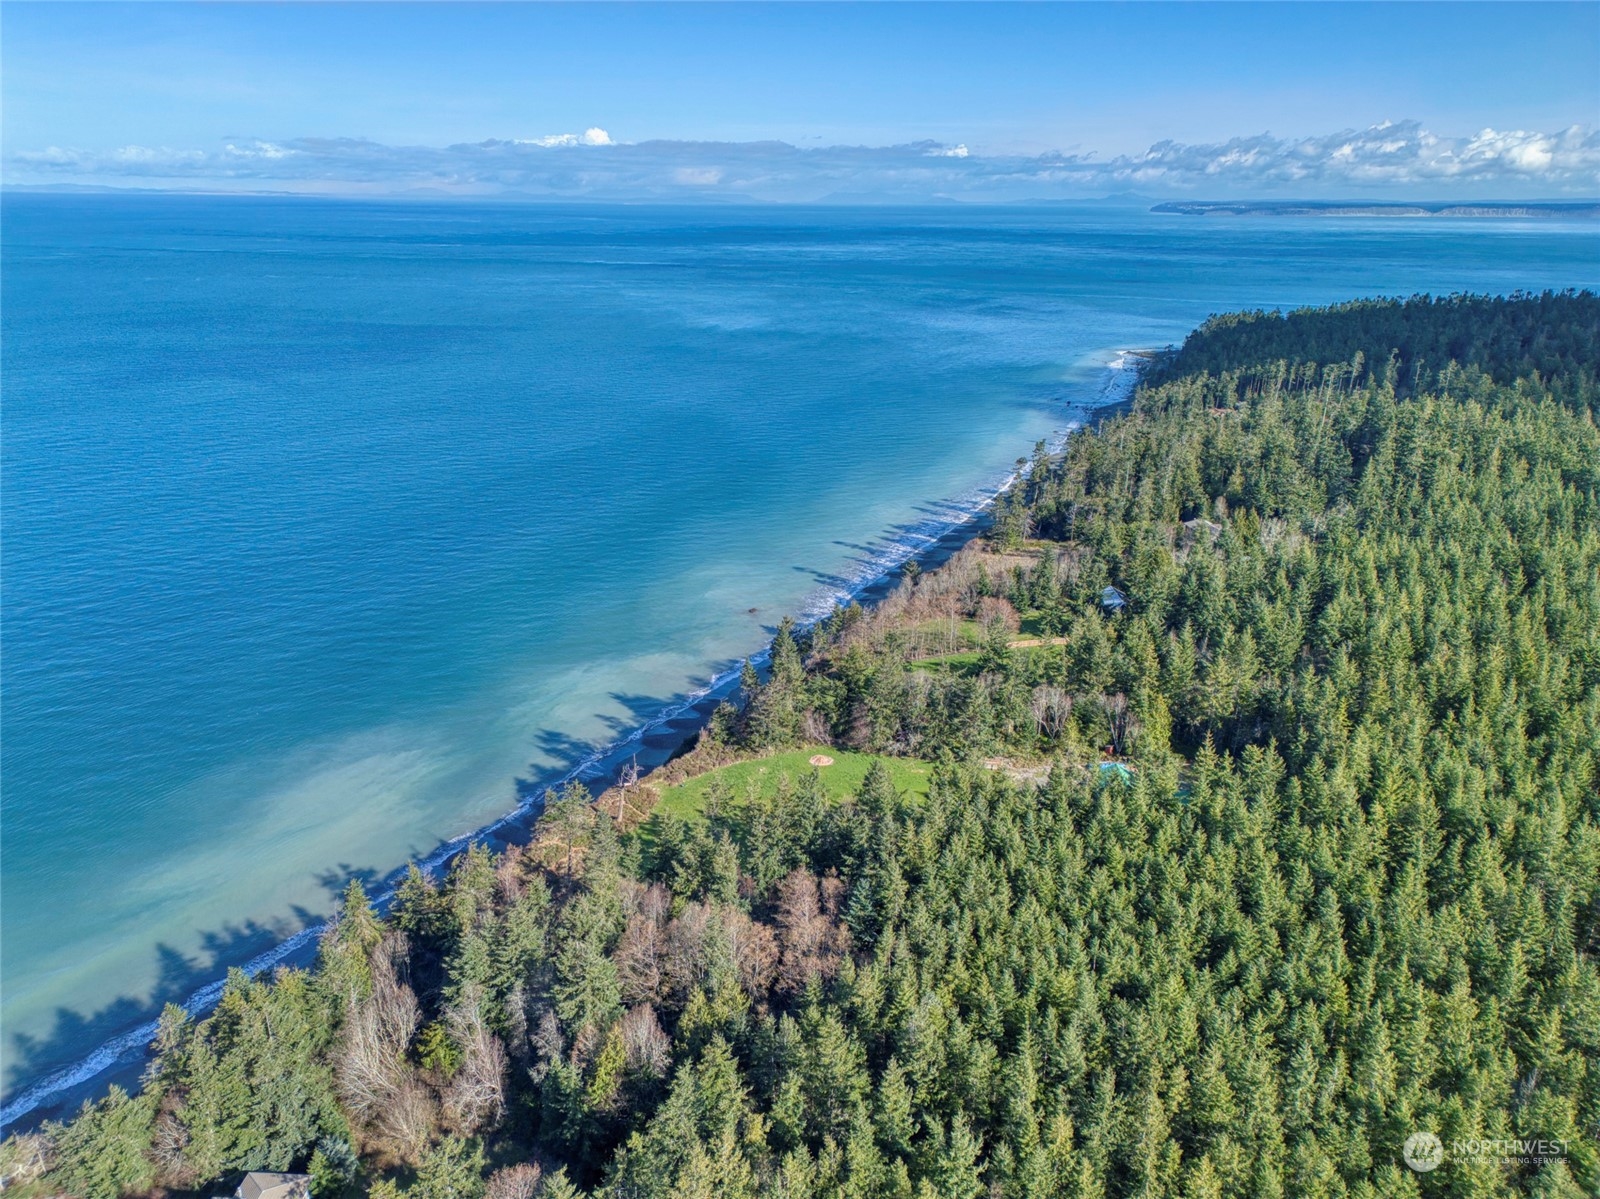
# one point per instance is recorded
(409, 1120)
(993, 608)
(514, 1182)
(641, 953)
(1050, 707)
(832, 891)
(754, 950)
(649, 1049)
(684, 966)
(508, 876)
(547, 1042)
(167, 1144)
(475, 1097)
(24, 1158)
(520, 1181)
(374, 1077)
(809, 941)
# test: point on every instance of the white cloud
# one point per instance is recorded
(1394, 154)
(163, 156)
(1533, 153)
(50, 156)
(595, 136)
(1396, 158)
(258, 150)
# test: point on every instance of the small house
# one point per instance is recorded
(1113, 600)
(264, 1184)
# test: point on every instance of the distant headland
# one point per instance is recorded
(1521, 209)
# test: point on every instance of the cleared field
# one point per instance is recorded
(841, 779)
(962, 663)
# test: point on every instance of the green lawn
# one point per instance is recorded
(963, 663)
(1033, 626)
(840, 780)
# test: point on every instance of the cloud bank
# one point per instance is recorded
(1385, 160)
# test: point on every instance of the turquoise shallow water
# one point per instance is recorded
(324, 523)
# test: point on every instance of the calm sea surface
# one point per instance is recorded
(326, 522)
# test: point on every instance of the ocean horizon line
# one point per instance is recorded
(1554, 206)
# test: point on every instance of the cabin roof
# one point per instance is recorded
(266, 1184)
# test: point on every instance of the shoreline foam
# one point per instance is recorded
(936, 538)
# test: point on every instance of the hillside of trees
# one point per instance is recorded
(1409, 342)
(1264, 831)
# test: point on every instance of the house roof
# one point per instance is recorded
(264, 1184)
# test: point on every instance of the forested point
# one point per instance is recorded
(1260, 833)
(1407, 343)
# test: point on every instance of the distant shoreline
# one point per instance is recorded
(1459, 209)
(651, 745)
(1531, 210)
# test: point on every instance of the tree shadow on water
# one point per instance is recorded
(335, 879)
(951, 527)
(650, 730)
(73, 1035)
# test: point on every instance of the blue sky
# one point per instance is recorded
(972, 101)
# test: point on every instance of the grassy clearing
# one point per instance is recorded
(964, 663)
(687, 799)
(1033, 625)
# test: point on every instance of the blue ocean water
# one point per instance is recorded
(326, 522)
